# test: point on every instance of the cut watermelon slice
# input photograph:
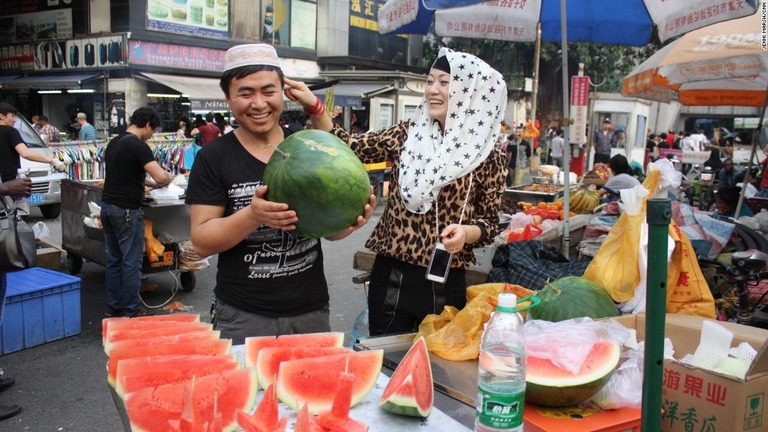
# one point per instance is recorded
(268, 362)
(126, 349)
(306, 422)
(142, 372)
(549, 385)
(337, 419)
(308, 340)
(265, 417)
(167, 329)
(410, 390)
(152, 409)
(172, 339)
(144, 322)
(313, 380)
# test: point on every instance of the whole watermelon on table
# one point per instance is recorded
(320, 178)
(573, 297)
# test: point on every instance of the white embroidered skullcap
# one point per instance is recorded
(250, 55)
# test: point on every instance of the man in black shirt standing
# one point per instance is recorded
(128, 158)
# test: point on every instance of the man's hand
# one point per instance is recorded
(58, 165)
(22, 186)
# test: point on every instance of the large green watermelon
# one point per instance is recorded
(573, 297)
(320, 178)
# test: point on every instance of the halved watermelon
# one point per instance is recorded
(337, 419)
(549, 385)
(142, 372)
(313, 380)
(127, 349)
(172, 339)
(167, 329)
(307, 340)
(145, 322)
(410, 390)
(152, 409)
(270, 358)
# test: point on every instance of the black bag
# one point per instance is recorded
(18, 251)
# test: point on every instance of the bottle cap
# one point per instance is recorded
(507, 300)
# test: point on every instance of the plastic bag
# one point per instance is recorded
(567, 344)
(41, 231)
(455, 334)
(528, 233)
(621, 390)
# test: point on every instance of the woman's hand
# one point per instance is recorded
(454, 237)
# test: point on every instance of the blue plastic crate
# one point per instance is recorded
(41, 306)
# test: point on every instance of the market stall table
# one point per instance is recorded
(84, 242)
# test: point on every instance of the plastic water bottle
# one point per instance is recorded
(501, 370)
(22, 202)
(360, 327)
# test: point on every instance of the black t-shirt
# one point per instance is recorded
(271, 272)
(9, 159)
(125, 158)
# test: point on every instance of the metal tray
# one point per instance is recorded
(517, 193)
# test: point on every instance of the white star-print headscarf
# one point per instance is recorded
(477, 99)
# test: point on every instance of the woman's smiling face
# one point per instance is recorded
(436, 94)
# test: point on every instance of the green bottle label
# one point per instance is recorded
(500, 411)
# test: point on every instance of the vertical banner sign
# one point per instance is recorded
(579, 102)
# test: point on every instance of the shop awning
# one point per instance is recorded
(200, 91)
(351, 94)
(5, 78)
(50, 82)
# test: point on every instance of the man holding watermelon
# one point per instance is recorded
(447, 181)
(269, 281)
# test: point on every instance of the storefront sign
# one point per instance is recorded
(579, 102)
(17, 57)
(365, 40)
(204, 18)
(52, 24)
(175, 56)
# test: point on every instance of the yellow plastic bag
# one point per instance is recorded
(614, 267)
(154, 248)
(687, 290)
(455, 334)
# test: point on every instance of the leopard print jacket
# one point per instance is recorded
(409, 237)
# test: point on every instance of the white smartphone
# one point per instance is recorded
(439, 264)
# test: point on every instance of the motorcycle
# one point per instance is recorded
(731, 285)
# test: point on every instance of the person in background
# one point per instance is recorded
(623, 177)
(12, 147)
(518, 152)
(714, 161)
(127, 160)
(208, 131)
(10, 188)
(35, 121)
(728, 175)
(447, 183)
(268, 281)
(185, 129)
(227, 128)
(726, 200)
(218, 120)
(602, 140)
(557, 145)
(50, 131)
(87, 131)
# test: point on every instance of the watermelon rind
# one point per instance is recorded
(254, 344)
(321, 179)
(410, 391)
(151, 321)
(548, 385)
(151, 409)
(573, 297)
(313, 380)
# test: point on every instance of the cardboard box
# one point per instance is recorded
(694, 399)
(48, 255)
(41, 306)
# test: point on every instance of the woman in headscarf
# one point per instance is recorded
(447, 183)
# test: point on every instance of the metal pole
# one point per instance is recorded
(536, 61)
(566, 133)
(658, 214)
(755, 138)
